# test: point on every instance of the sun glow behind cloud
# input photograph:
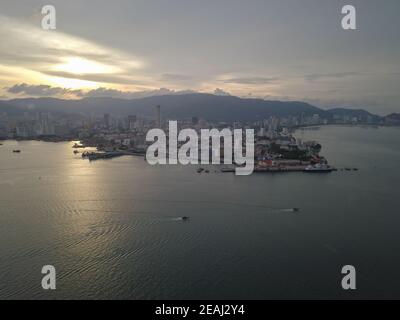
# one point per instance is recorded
(57, 59)
(81, 66)
(69, 83)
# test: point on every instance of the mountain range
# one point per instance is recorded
(208, 106)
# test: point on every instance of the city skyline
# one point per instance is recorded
(263, 49)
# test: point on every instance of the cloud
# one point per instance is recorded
(28, 48)
(113, 93)
(175, 77)
(43, 90)
(40, 90)
(251, 80)
(337, 75)
(220, 92)
(107, 92)
(99, 77)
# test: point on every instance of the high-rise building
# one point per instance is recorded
(107, 120)
(195, 121)
(158, 116)
(131, 122)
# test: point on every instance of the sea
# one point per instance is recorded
(113, 229)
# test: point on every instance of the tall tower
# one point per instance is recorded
(158, 116)
(107, 120)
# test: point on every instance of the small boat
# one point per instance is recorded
(296, 209)
(17, 151)
(185, 218)
(200, 170)
(78, 146)
(86, 154)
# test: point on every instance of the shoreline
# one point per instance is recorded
(57, 139)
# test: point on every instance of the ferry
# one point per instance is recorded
(104, 155)
(319, 168)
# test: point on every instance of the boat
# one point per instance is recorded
(104, 155)
(78, 146)
(17, 151)
(86, 154)
(185, 218)
(319, 168)
(200, 170)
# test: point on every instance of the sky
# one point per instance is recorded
(269, 49)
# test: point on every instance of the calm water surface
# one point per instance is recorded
(112, 230)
